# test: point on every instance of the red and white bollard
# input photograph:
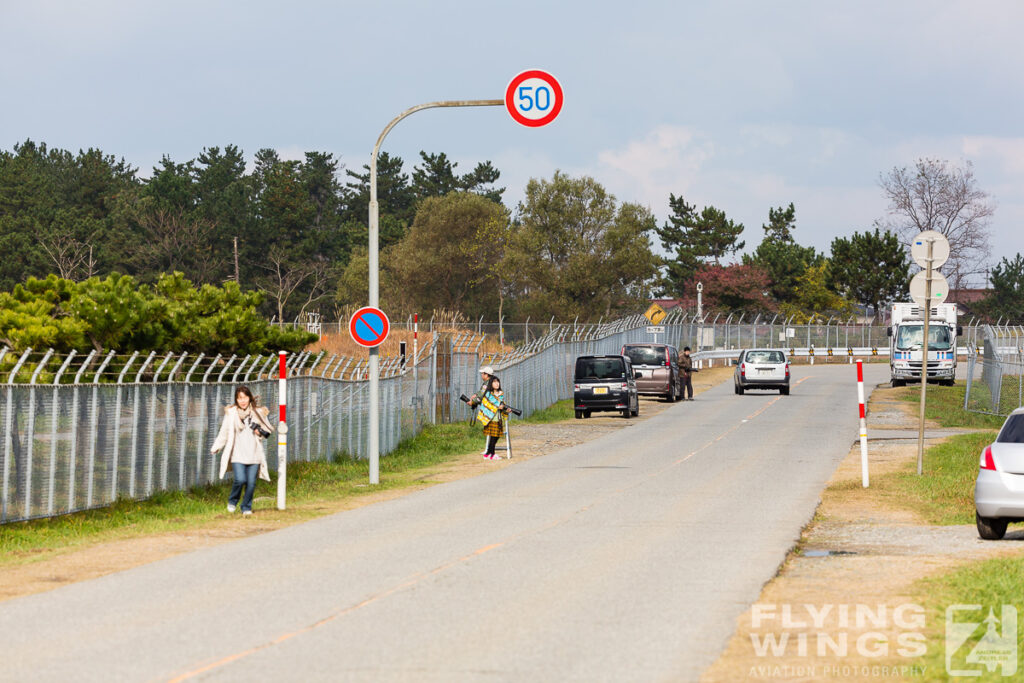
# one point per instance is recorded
(282, 430)
(863, 425)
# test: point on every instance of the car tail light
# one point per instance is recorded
(576, 387)
(624, 386)
(987, 462)
(743, 369)
(787, 369)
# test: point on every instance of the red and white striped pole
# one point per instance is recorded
(415, 339)
(282, 429)
(863, 425)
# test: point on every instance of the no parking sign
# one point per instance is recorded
(369, 326)
(534, 98)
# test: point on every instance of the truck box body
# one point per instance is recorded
(906, 336)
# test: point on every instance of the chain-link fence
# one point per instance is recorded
(995, 371)
(81, 431)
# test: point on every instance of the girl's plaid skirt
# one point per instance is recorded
(494, 428)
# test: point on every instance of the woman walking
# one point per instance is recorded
(241, 437)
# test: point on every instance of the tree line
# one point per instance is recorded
(295, 231)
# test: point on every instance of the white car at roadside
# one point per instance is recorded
(999, 490)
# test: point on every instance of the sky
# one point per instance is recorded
(743, 105)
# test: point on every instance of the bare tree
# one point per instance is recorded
(285, 279)
(941, 196)
(176, 240)
(72, 257)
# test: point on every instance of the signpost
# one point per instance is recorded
(930, 250)
(533, 98)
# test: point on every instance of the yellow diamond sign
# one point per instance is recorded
(655, 314)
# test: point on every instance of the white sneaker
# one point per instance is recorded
(231, 508)
(247, 513)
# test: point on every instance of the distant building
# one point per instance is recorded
(966, 299)
(669, 304)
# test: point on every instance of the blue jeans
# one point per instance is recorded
(245, 475)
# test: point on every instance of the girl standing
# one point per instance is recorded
(241, 437)
(495, 428)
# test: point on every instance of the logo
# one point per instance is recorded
(983, 643)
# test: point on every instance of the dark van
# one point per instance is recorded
(604, 383)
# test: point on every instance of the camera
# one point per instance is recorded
(256, 427)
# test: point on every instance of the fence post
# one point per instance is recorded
(117, 426)
(54, 418)
(94, 429)
(185, 421)
(201, 445)
(135, 423)
(254, 363)
(8, 435)
(30, 433)
(73, 462)
(178, 433)
(151, 442)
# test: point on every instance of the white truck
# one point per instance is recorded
(906, 337)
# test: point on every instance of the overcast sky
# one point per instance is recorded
(742, 105)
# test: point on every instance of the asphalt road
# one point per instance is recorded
(625, 558)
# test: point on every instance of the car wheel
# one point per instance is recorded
(637, 411)
(579, 414)
(671, 395)
(586, 413)
(627, 413)
(899, 382)
(739, 390)
(990, 528)
(783, 391)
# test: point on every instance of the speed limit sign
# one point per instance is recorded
(533, 98)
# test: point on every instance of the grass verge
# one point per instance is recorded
(311, 485)
(944, 494)
(991, 584)
(945, 405)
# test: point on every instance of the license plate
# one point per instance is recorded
(765, 371)
(600, 390)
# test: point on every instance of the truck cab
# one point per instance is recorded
(906, 344)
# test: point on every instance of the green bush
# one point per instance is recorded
(116, 313)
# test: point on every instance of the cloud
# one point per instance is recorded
(1008, 152)
(666, 160)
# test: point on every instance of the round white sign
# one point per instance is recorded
(940, 249)
(534, 98)
(940, 288)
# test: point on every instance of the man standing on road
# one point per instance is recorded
(686, 367)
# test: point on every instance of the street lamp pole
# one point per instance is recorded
(374, 280)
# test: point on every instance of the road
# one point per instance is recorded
(625, 558)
